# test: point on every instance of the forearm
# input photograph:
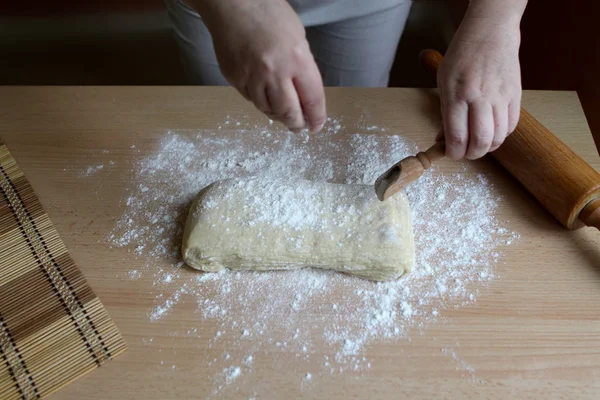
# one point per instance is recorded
(212, 11)
(497, 11)
(217, 12)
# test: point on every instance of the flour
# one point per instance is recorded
(134, 274)
(461, 365)
(232, 373)
(458, 237)
(92, 169)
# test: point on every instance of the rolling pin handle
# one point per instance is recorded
(590, 215)
(430, 60)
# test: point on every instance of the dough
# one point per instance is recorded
(262, 224)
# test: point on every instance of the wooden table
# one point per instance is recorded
(534, 333)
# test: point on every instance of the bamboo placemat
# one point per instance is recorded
(53, 328)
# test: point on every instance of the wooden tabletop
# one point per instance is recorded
(533, 333)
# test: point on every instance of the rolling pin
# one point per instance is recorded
(559, 179)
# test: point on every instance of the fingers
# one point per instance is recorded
(481, 129)
(311, 94)
(514, 112)
(486, 129)
(258, 95)
(285, 104)
(245, 93)
(501, 129)
(290, 102)
(456, 128)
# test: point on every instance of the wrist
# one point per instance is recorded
(507, 13)
(493, 21)
(213, 12)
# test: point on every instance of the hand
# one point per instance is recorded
(263, 52)
(480, 80)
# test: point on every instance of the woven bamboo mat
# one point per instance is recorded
(53, 328)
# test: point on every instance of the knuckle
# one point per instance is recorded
(312, 102)
(504, 91)
(456, 140)
(301, 51)
(466, 90)
(481, 141)
(497, 142)
(468, 93)
(266, 65)
(288, 115)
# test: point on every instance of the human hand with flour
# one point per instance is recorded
(262, 51)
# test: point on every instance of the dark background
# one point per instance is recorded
(129, 42)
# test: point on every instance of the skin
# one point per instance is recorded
(480, 79)
(262, 50)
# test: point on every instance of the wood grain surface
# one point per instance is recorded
(534, 333)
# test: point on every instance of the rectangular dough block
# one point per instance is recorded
(261, 224)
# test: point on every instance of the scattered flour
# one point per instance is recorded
(134, 274)
(92, 169)
(460, 364)
(459, 241)
(232, 373)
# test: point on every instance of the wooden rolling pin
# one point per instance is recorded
(558, 178)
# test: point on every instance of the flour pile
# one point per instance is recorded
(457, 235)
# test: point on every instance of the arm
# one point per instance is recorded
(480, 78)
(263, 52)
